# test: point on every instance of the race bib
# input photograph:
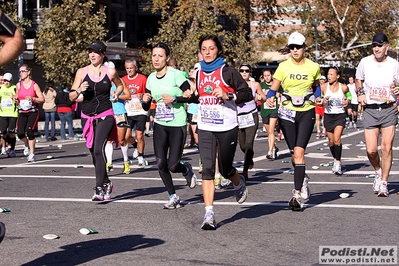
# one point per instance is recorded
(380, 93)
(6, 103)
(121, 120)
(211, 114)
(164, 112)
(286, 114)
(133, 105)
(245, 121)
(25, 105)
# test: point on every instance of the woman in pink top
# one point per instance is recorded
(29, 95)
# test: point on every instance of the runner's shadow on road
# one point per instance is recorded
(84, 252)
(138, 193)
(356, 166)
(324, 197)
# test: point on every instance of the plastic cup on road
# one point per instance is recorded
(86, 231)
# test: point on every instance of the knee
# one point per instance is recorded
(162, 164)
(30, 134)
(175, 167)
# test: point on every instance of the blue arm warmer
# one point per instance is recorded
(317, 93)
(270, 93)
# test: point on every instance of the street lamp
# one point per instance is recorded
(122, 26)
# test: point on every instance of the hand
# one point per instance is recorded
(187, 94)
(83, 87)
(146, 97)
(394, 90)
(271, 102)
(362, 99)
(167, 99)
(345, 102)
(325, 100)
(319, 101)
(218, 92)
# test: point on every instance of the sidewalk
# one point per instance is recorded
(77, 126)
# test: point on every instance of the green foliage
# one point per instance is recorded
(184, 22)
(65, 32)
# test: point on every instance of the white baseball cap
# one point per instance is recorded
(323, 77)
(296, 38)
(7, 76)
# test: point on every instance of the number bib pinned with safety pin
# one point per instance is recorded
(211, 114)
(6, 103)
(286, 114)
(164, 112)
(379, 94)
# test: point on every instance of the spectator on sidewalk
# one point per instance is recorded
(65, 111)
(49, 108)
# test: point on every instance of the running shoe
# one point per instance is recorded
(377, 181)
(317, 135)
(2, 231)
(305, 191)
(383, 191)
(147, 134)
(295, 201)
(108, 167)
(126, 168)
(338, 170)
(11, 154)
(241, 192)
(191, 178)
(278, 138)
(334, 168)
(3, 151)
(142, 161)
(354, 126)
(217, 181)
(108, 188)
(224, 182)
(173, 203)
(275, 151)
(209, 222)
(350, 125)
(269, 155)
(323, 135)
(135, 153)
(31, 158)
(98, 194)
(26, 151)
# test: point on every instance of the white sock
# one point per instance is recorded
(109, 149)
(124, 153)
(208, 209)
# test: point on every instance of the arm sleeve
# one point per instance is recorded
(234, 79)
(146, 106)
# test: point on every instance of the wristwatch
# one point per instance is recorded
(231, 96)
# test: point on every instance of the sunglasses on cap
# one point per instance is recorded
(293, 46)
(245, 70)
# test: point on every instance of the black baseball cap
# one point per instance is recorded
(97, 46)
(247, 65)
(380, 38)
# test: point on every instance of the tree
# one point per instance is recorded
(346, 24)
(66, 31)
(184, 22)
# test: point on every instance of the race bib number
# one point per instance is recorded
(245, 121)
(379, 93)
(164, 112)
(25, 104)
(6, 103)
(134, 105)
(286, 114)
(211, 114)
(120, 119)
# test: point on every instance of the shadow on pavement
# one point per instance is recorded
(83, 252)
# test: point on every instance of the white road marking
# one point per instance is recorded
(272, 204)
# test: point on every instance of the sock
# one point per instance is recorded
(332, 150)
(171, 196)
(124, 153)
(141, 154)
(208, 209)
(135, 145)
(12, 143)
(338, 152)
(355, 119)
(299, 175)
(350, 118)
(108, 152)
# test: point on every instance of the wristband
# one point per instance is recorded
(348, 95)
(360, 92)
(270, 93)
(317, 92)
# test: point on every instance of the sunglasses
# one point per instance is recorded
(245, 71)
(23, 71)
(293, 46)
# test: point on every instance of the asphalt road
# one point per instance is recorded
(53, 196)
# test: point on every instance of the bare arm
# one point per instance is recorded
(76, 88)
(39, 94)
(13, 46)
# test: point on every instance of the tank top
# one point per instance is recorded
(26, 106)
(214, 113)
(96, 97)
(248, 107)
(334, 104)
(8, 107)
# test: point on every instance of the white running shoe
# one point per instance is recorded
(26, 151)
(209, 222)
(383, 192)
(31, 158)
(3, 151)
(305, 191)
(173, 203)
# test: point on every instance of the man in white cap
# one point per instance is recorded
(8, 115)
(377, 76)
